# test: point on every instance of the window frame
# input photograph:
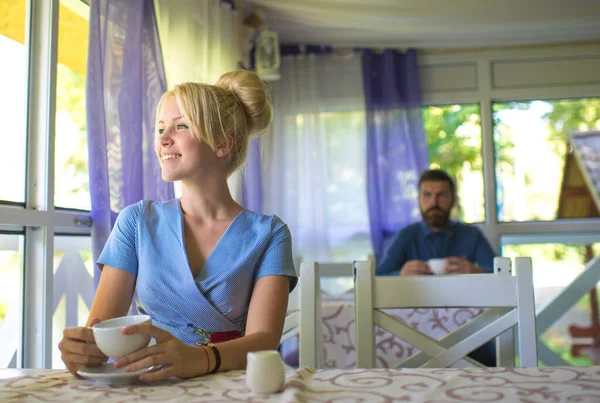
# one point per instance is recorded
(38, 218)
(438, 79)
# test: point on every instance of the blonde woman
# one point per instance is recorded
(213, 276)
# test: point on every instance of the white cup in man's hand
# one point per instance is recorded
(115, 344)
(264, 371)
(437, 266)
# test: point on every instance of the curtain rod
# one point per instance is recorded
(299, 49)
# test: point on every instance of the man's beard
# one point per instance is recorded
(436, 217)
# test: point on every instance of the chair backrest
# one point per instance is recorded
(302, 313)
(336, 269)
(510, 297)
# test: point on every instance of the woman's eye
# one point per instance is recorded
(182, 127)
(161, 131)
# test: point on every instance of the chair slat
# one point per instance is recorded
(505, 343)
(363, 314)
(335, 269)
(452, 291)
(289, 334)
(291, 321)
(458, 334)
(310, 302)
(527, 335)
(473, 342)
(426, 344)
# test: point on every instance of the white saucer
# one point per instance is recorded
(108, 374)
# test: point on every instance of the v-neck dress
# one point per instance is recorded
(148, 242)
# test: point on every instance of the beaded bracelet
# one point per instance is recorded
(217, 358)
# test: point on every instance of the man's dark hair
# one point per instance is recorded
(437, 175)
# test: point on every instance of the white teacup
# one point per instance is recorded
(437, 266)
(115, 344)
(264, 371)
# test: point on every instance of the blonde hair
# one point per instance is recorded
(237, 105)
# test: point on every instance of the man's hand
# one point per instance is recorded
(415, 268)
(460, 265)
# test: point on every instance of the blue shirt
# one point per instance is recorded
(148, 242)
(419, 242)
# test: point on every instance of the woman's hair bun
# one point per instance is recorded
(250, 91)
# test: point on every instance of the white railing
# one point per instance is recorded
(547, 315)
(71, 281)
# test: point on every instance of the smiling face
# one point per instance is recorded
(181, 154)
(436, 201)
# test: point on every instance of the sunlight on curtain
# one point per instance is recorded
(200, 40)
(314, 159)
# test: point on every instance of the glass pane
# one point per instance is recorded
(554, 267)
(454, 143)
(347, 212)
(71, 161)
(73, 287)
(531, 149)
(11, 295)
(13, 78)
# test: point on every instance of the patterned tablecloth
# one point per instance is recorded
(558, 384)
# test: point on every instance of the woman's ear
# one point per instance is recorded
(224, 149)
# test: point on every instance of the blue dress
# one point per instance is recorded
(148, 242)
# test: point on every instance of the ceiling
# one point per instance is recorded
(431, 23)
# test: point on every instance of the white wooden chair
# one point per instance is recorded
(303, 316)
(510, 298)
(304, 310)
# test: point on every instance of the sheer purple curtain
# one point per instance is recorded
(396, 144)
(125, 79)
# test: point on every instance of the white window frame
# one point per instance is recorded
(467, 77)
(38, 219)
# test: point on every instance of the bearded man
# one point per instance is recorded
(464, 247)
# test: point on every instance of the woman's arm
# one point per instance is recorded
(114, 294)
(266, 316)
(264, 325)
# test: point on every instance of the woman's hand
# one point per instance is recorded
(78, 348)
(179, 359)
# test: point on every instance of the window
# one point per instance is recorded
(26, 308)
(531, 147)
(454, 144)
(71, 156)
(347, 210)
(11, 311)
(556, 265)
(13, 80)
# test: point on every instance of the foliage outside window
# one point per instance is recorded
(454, 144)
(531, 148)
(71, 188)
(13, 103)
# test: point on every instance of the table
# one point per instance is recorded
(557, 384)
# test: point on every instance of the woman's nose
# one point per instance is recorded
(165, 138)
